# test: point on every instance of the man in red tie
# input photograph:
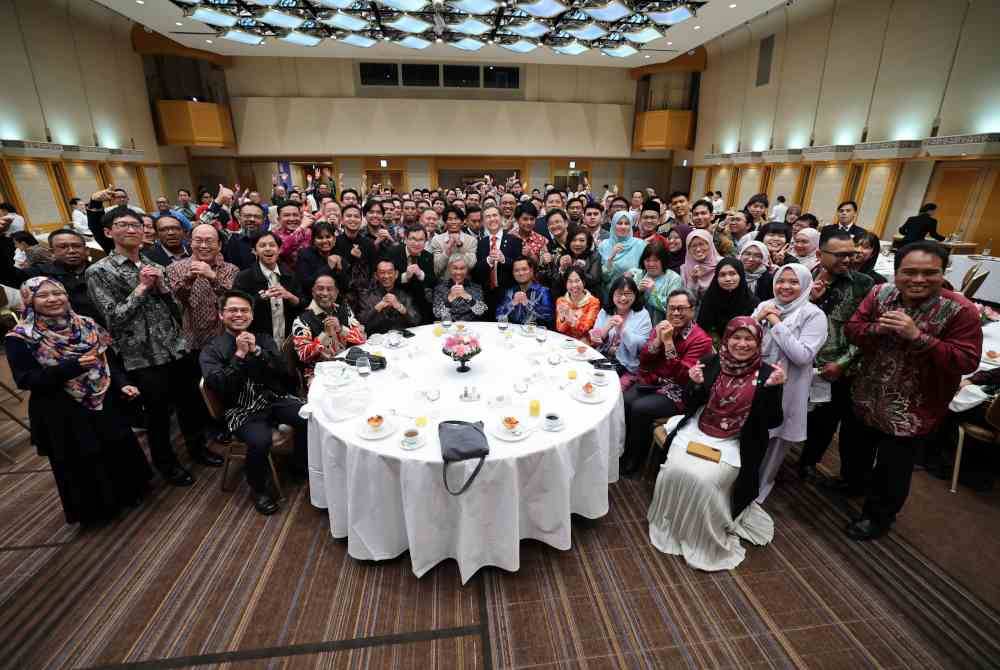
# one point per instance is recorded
(495, 254)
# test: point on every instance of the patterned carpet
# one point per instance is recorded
(194, 577)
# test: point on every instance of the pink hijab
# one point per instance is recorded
(707, 265)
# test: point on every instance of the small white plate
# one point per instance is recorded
(365, 432)
(569, 343)
(403, 342)
(596, 381)
(577, 356)
(421, 441)
(554, 429)
(497, 429)
(594, 399)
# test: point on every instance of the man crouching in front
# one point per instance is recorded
(249, 377)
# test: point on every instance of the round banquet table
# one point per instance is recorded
(386, 500)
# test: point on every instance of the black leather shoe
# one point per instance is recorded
(809, 473)
(865, 529)
(264, 504)
(206, 456)
(177, 476)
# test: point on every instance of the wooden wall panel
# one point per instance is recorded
(699, 182)
(84, 178)
(40, 199)
(154, 181)
(784, 181)
(954, 187)
(826, 185)
(722, 180)
(750, 179)
(124, 176)
(875, 194)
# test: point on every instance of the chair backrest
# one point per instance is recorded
(212, 402)
(970, 289)
(970, 273)
(993, 413)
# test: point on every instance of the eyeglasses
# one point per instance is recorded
(675, 308)
(129, 225)
(840, 255)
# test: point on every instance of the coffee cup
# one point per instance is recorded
(581, 349)
(394, 339)
(600, 377)
(411, 437)
(552, 420)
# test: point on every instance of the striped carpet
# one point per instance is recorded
(194, 577)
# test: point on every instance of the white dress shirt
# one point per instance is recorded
(277, 305)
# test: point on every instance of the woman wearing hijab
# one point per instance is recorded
(805, 244)
(702, 506)
(675, 246)
(61, 357)
(868, 248)
(795, 330)
(620, 252)
(700, 262)
(727, 297)
(757, 270)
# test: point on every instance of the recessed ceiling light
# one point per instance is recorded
(646, 56)
(209, 41)
(670, 44)
(733, 6)
(140, 2)
(178, 23)
(697, 27)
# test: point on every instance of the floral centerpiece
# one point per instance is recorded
(461, 348)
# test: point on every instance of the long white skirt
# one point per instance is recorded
(691, 512)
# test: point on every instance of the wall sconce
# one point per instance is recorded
(572, 165)
(383, 163)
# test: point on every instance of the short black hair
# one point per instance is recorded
(651, 206)
(558, 212)
(249, 203)
(370, 204)
(526, 208)
(928, 207)
(657, 251)
(532, 263)
(25, 237)
(450, 209)
(235, 293)
(7, 207)
(349, 190)
(156, 221)
(323, 227)
(73, 202)
(285, 205)
(555, 191)
(619, 198)
(472, 209)
(267, 233)
(702, 203)
(810, 220)
(848, 202)
(760, 198)
(692, 299)
(624, 281)
(927, 246)
(678, 194)
(781, 198)
(183, 190)
(66, 231)
(835, 234)
(115, 213)
(593, 204)
(416, 229)
(775, 228)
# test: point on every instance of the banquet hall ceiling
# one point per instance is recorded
(572, 32)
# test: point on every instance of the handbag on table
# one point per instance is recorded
(462, 441)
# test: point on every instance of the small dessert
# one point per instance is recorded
(510, 422)
(581, 349)
(588, 389)
(460, 327)
(993, 354)
(375, 422)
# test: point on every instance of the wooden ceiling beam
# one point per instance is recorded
(695, 60)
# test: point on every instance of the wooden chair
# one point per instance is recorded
(281, 439)
(989, 434)
(659, 439)
(970, 289)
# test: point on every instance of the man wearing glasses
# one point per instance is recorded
(145, 324)
(239, 248)
(838, 291)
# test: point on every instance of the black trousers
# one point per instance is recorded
(641, 410)
(824, 420)
(256, 433)
(890, 484)
(162, 389)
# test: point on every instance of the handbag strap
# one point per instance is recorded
(468, 482)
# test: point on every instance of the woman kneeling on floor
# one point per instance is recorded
(703, 505)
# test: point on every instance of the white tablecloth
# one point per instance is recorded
(990, 290)
(972, 395)
(386, 501)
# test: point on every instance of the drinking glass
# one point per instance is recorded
(446, 320)
(540, 334)
(432, 393)
(363, 366)
(502, 323)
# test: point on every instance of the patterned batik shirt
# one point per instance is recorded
(200, 298)
(146, 329)
(839, 302)
(902, 387)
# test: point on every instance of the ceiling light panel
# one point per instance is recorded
(544, 9)
(530, 29)
(571, 49)
(409, 24)
(478, 7)
(346, 21)
(521, 46)
(468, 44)
(241, 36)
(643, 35)
(273, 17)
(212, 17)
(301, 39)
(412, 42)
(609, 13)
(589, 31)
(405, 5)
(670, 17)
(471, 26)
(621, 51)
(336, 4)
(358, 41)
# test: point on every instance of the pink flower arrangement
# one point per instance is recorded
(461, 347)
(986, 313)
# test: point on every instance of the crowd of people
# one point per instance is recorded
(753, 330)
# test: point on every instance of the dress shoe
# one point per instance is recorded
(206, 456)
(866, 529)
(177, 476)
(264, 504)
(842, 487)
(809, 473)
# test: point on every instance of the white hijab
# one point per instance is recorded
(791, 312)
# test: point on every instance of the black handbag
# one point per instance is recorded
(354, 353)
(462, 441)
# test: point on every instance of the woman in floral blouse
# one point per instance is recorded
(577, 310)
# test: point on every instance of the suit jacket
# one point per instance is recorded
(238, 250)
(855, 230)
(510, 247)
(228, 376)
(253, 281)
(159, 255)
(421, 290)
(918, 228)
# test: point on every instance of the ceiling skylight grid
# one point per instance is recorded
(619, 28)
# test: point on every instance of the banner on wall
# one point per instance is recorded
(285, 174)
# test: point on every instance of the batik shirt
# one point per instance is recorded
(903, 388)
(146, 329)
(200, 298)
(839, 302)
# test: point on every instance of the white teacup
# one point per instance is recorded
(600, 377)
(411, 437)
(394, 339)
(552, 420)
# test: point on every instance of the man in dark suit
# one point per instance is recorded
(170, 244)
(918, 227)
(495, 255)
(847, 214)
(415, 266)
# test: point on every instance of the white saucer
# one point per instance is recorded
(599, 382)
(498, 430)
(569, 343)
(577, 356)
(366, 433)
(555, 429)
(594, 399)
(421, 441)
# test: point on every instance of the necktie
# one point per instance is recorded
(493, 272)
